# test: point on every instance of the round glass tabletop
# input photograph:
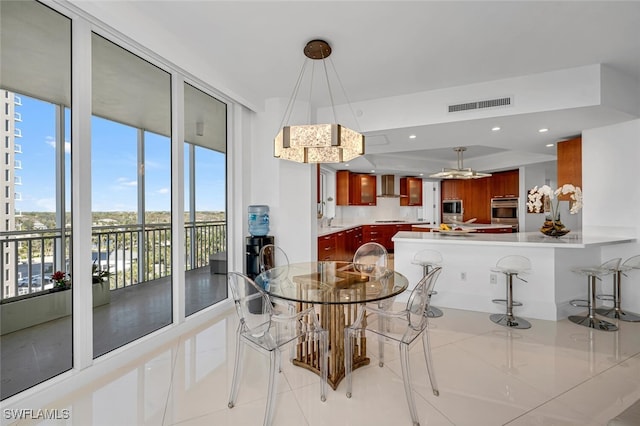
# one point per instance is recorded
(331, 282)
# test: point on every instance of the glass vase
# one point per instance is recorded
(553, 227)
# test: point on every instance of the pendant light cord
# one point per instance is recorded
(294, 95)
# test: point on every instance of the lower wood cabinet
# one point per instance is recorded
(327, 247)
(342, 245)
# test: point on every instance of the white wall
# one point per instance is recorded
(610, 161)
(288, 188)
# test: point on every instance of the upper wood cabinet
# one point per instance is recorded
(476, 194)
(505, 184)
(410, 191)
(569, 163)
(476, 200)
(451, 189)
(355, 189)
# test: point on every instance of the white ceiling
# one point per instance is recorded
(253, 51)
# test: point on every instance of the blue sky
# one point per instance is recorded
(113, 165)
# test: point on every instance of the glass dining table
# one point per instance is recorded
(335, 289)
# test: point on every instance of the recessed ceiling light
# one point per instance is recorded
(549, 145)
(421, 174)
(543, 130)
(346, 165)
(495, 129)
(412, 136)
(373, 171)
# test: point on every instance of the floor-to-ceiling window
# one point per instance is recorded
(205, 157)
(130, 171)
(35, 217)
(131, 177)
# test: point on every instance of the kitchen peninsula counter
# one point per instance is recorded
(467, 282)
(341, 226)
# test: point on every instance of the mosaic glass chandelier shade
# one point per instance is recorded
(317, 143)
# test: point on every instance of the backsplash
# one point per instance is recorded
(386, 209)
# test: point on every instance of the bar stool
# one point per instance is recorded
(511, 266)
(593, 274)
(429, 259)
(617, 312)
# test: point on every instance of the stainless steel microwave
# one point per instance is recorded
(452, 207)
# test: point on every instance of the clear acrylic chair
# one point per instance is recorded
(262, 330)
(616, 311)
(429, 259)
(272, 256)
(403, 327)
(371, 259)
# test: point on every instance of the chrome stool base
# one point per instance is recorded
(594, 323)
(510, 321)
(433, 312)
(618, 314)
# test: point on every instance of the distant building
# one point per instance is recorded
(10, 179)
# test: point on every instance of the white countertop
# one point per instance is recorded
(465, 226)
(517, 239)
(341, 226)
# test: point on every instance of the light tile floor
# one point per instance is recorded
(556, 373)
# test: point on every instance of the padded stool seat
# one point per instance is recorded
(511, 266)
(594, 273)
(429, 259)
(616, 311)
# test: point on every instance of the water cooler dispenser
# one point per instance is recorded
(252, 253)
(258, 228)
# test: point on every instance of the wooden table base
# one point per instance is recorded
(333, 318)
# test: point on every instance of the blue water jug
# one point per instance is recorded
(258, 220)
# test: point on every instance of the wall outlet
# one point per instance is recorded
(493, 279)
(463, 276)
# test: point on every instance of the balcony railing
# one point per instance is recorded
(132, 254)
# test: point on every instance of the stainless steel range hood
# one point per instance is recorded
(388, 184)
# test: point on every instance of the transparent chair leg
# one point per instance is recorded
(274, 361)
(237, 371)
(382, 325)
(348, 358)
(324, 368)
(428, 359)
(406, 378)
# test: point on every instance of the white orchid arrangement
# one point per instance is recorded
(536, 197)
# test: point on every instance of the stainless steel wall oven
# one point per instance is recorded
(504, 211)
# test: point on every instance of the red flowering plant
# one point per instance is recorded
(60, 280)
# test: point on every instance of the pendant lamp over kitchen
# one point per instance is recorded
(317, 143)
(460, 172)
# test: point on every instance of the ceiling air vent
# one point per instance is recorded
(490, 103)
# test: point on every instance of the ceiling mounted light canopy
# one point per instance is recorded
(460, 172)
(317, 143)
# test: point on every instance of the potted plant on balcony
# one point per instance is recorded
(101, 286)
(60, 281)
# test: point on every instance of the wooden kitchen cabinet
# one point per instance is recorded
(476, 194)
(327, 247)
(341, 246)
(505, 184)
(476, 202)
(363, 188)
(355, 189)
(410, 191)
(451, 189)
(569, 155)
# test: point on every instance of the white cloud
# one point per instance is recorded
(123, 181)
(51, 141)
(163, 191)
